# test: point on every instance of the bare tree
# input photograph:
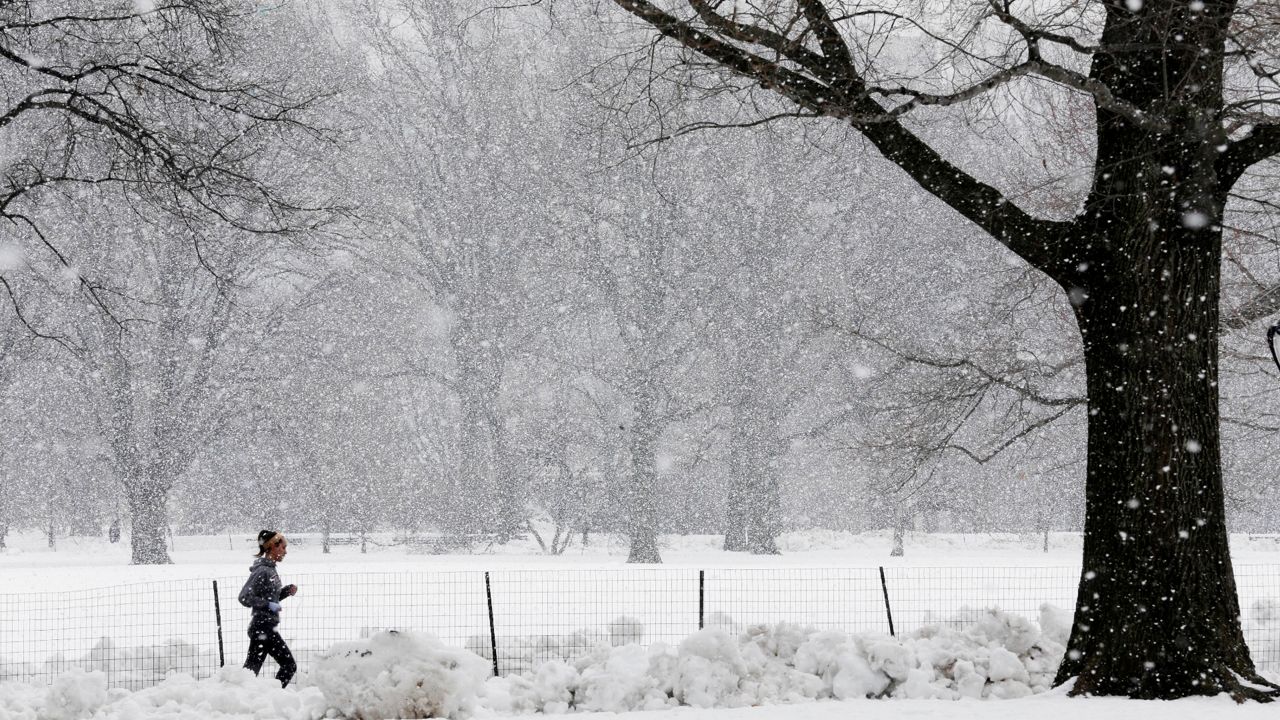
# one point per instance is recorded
(160, 98)
(1182, 99)
(774, 364)
(463, 150)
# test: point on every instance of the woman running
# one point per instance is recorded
(262, 593)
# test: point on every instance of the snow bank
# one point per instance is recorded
(142, 665)
(996, 655)
(399, 675)
(408, 675)
(233, 693)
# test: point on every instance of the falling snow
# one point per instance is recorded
(461, 275)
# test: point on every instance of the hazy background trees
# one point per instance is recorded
(519, 313)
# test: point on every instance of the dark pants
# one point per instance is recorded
(268, 642)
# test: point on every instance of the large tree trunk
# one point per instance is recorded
(508, 483)
(740, 501)
(736, 511)
(1157, 614)
(751, 522)
(753, 501)
(764, 502)
(641, 492)
(642, 520)
(484, 495)
(147, 499)
(899, 534)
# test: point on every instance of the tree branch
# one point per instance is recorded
(841, 93)
(1260, 143)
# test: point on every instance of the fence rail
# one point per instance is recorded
(138, 634)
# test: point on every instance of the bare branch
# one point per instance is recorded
(1260, 143)
(845, 96)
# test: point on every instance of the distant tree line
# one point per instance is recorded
(395, 265)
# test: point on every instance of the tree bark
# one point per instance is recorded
(898, 533)
(742, 466)
(764, 502)
(753, 500)
(484, 495)
(149, 520)
(641, 493)
(1157, 615)
(736, 512)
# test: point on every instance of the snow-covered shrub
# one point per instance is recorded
(1262, 626)
(1055, 623)
(399, 675)
(145, 664)
(625, 630)
(526, 653)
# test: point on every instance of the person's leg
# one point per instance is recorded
(283, 657)
(257, 650)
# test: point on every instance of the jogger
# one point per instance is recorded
(262, 593)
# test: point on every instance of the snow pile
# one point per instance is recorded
(234, 692)
(399, 675)
(997, 655)
(75, 694)
(72, 695)
(409, 675)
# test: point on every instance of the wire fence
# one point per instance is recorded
(517, 619)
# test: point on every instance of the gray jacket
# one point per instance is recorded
(260, 590)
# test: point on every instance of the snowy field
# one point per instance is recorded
(550, 612)
(28, 565)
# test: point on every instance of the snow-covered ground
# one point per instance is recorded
(28, 564)
(240, 698)
(550, 610)
(87, 562)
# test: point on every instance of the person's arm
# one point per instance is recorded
(251, 595)
(287, 591)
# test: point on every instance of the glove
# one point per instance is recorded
(291, 590)
(274, 607)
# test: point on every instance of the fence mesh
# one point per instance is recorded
(138, 634)
(135, 633)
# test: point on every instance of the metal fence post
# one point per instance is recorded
(702, 597)
(217, 617)
(493, 634)
(888, 611)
